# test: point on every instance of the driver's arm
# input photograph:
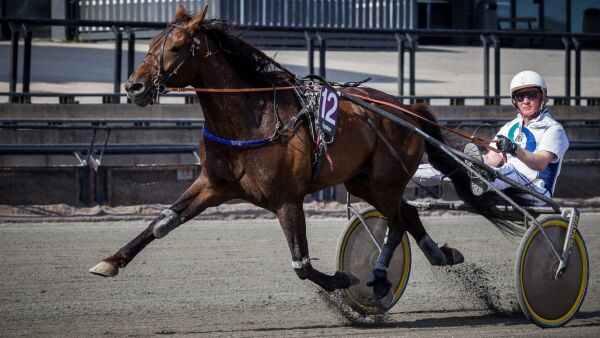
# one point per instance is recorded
(493, 158)
(551, 146)
(536, 161)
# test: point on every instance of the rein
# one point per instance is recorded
(474, 139)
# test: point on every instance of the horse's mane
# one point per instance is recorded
(248, 62)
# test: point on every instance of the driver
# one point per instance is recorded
(534, 142)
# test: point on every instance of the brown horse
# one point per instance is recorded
(276, 176)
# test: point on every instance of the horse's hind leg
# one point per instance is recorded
(199, 196)
(435, 255)
(380, 198)
(291, 218)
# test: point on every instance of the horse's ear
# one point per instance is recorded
(180, 15)
(198, 20)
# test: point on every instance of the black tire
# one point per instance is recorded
(357, 253)
(544, 300)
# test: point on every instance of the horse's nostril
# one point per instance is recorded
(137, 87)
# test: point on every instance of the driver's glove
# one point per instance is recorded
(505, 145)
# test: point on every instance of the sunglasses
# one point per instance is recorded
(531, 95)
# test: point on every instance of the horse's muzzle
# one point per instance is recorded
(139, 93)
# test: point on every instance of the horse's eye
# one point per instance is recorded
(175, 49)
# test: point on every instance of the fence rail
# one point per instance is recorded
(190, 98)
(148, 124)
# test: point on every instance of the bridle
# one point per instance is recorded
(160, 85)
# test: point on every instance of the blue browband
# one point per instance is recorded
(235, 143)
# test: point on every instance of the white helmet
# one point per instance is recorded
(526, 79)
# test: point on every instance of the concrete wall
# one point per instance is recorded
(41, 185)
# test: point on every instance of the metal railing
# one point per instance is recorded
(90, 155)
(108, 125)
(391, 14)
(96, 125)
(405, 41)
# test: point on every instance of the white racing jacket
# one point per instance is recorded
(541, 133)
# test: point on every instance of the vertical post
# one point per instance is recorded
(14, 60)
(70, 6)
(513, 14)
(100, 183)
(496, 44)
(541, 19)
(310, 46)
(130, 50)
(567, 45)
(4, 26)
(412, 45)
(577, 46)
(130, 53)
(322, 51)
(85, 184)
(118, 58)
(400, 41)
(413, 14)
(486, 66)
(26, 63)
(568, 18)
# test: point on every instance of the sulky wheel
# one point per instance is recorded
(358, 253)
(547, 301)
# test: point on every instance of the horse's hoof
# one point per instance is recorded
(345, 279)
(453, 256)
(379, 282)
(354, 280)
(349, 277)
(104, 269)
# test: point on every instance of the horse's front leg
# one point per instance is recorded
(199, 196)
(291, 218)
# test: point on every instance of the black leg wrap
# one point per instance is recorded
(385, 256)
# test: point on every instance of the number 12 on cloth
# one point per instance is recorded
(328, 111)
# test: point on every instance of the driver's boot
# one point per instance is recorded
(478, 186)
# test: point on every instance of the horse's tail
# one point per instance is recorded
(458, 174)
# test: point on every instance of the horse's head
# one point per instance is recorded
(169, 55)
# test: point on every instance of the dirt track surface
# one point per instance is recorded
(234, 278)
